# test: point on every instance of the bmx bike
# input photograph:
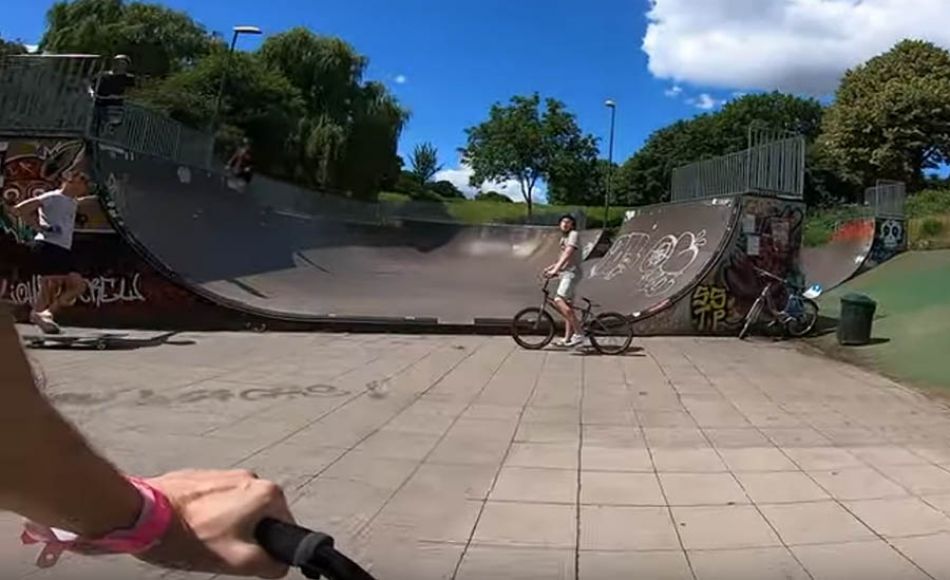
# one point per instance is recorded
(610, 333)
(797, 318)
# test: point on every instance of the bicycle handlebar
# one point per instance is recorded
(767, 274)
(312, 552)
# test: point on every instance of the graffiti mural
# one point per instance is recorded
(30, 167)
(890, 239)
(670, 257)
(624, 252)
(770, 239)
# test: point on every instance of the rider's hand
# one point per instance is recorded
(214, 531)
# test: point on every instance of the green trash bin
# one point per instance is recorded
(857, 318)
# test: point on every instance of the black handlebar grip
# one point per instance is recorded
(310, 551)
(289, 543)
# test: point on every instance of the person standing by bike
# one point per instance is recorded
(568, 269)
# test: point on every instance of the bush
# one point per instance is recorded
(931, 228)
(492, 196)
(928, 202)
(445, 189)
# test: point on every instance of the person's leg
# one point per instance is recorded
(570, 320)
(45, 297)
(73, 287)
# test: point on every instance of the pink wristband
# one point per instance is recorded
(152, 523)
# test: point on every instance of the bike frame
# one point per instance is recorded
(774, 313)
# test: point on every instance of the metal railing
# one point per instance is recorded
(46, 95)
(887, 199)
(52, 95)
(773, 163)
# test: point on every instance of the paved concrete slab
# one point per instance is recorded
(465, 457)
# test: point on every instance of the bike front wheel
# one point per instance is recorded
(532, 328)
(610, 333)
(803, 324)
(751, 318)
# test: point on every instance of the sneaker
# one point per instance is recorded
(44, 320)
(562, 342)
(576, 340)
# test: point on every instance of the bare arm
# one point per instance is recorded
(50, 473)
(26, 208)
(565, 256)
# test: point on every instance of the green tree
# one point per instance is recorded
(11, 48)
(446, 190)
(259, 103)
(348, 134)
(646, 177)
(425, 162)
(519, 142)
(159, 40)
(493, 196)
(891, 115)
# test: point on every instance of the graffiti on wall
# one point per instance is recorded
(100, 290)
(769, 238)
(669, 258)
(660, 263)
(30, 167)
(890, 239)
(711, 307)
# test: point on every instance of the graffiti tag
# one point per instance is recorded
(100, 291)
(669, 258)
(624, 252)
(151, 398)
(710, 307)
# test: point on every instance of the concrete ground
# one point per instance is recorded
(467, 458)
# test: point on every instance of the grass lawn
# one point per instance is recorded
(483, 212)
(912, 322)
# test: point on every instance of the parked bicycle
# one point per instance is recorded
(610, 333)
(797, 318)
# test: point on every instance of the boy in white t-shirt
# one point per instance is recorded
(53, 216)
(568, 268)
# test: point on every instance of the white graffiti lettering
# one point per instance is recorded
(100, 291)
(623, 253)
(670, 257)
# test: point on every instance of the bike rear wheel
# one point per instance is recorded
(751, 318)
(532, 328)
(803, 324)
(610, 333)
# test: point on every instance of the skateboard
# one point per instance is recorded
(98, 340)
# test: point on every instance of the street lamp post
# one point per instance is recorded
(238, 31)
(610, 157)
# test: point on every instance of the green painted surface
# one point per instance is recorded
(912, 321)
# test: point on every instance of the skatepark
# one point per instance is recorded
(428, 444)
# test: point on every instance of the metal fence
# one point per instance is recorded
(773, 163)
(887, 199)
(46, 95)
(52, 95)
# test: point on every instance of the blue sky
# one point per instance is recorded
(456, 58)
(449, 60)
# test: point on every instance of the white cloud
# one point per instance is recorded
(704, 101)
(461, 175)
(401, 79)
(31, 48)
(673, 91)
(800, 46)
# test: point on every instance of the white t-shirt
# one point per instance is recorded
(572, 239)
(58, 218)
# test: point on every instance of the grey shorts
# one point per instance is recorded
(567, 286)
